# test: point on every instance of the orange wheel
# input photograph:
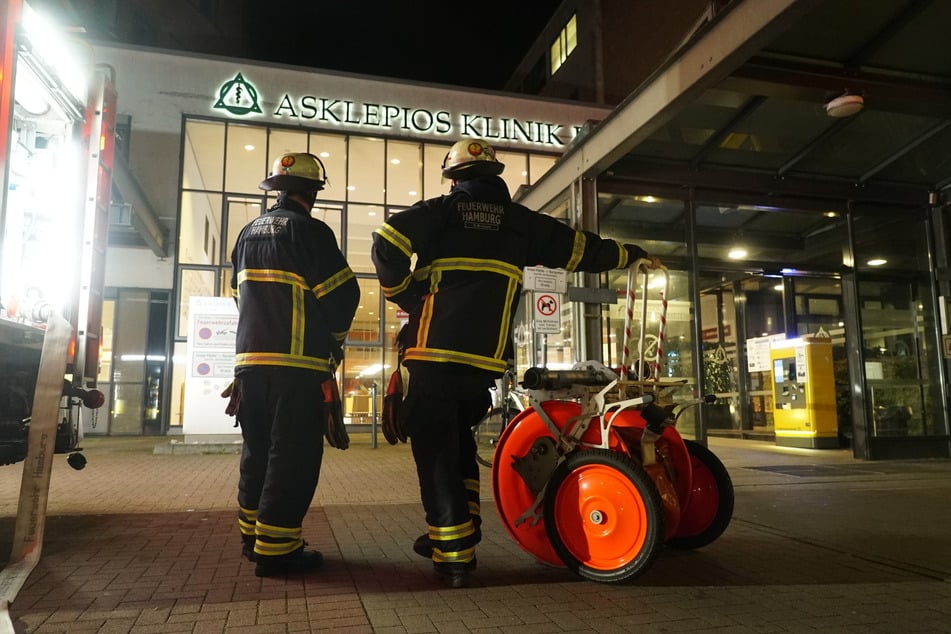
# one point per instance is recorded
(709, 509)
(604, 516)
(512, 495)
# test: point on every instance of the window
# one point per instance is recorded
(567, 40)
(366, 170)
(245, 158)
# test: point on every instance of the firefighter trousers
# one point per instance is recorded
(440, 430)
(283, 421)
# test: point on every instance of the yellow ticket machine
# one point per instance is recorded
(804, 412)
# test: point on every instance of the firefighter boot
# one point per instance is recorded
(455, 574)
(298, 561)
(247, 547)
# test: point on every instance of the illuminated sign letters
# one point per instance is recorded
(240, 98)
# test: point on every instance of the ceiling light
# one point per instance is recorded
(324, 154)
(395, 161)
(249, 147)
(778, 287)
(736, 253)
(845, 106)
(877, 261)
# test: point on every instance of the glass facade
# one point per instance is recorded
(738, 273)
(368, 178)
(753, 273)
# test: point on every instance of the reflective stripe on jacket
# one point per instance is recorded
(471, 247)
(296, 293)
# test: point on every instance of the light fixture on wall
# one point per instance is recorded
(845, 106)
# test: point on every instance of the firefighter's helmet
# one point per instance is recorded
(470, 158)
(296, 172)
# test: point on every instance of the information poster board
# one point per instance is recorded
(212, 328)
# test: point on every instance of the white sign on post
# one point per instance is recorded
(547, 313)
(539, 278)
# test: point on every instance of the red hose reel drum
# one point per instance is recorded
(513, 497)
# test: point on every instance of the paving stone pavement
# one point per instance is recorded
(141, 541)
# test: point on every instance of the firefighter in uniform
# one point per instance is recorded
(297, 297)
(470, 247)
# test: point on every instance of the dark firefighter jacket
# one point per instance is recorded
(296, 293)
(471, 246)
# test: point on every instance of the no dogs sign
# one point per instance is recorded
(547, 313)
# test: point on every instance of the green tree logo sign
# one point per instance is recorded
(238, 97)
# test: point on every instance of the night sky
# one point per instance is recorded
(474, 44)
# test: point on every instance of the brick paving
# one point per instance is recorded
(146, 542)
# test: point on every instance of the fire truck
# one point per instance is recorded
(57, 131)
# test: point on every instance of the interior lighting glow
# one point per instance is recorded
(736, 253)
(324, 154)
(55, 49)
(350, 188)
(877, 261)
(372, 369)
(30, 94)
(249, 147)
(778, 287)
(411, 193)
(395, 161)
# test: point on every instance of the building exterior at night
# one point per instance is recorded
(199, 134)
(780, 217)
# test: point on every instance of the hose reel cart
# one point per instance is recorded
(595, 476)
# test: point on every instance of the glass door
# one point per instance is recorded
(134, 365)
(901, 392)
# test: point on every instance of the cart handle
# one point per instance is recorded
(641, 265)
